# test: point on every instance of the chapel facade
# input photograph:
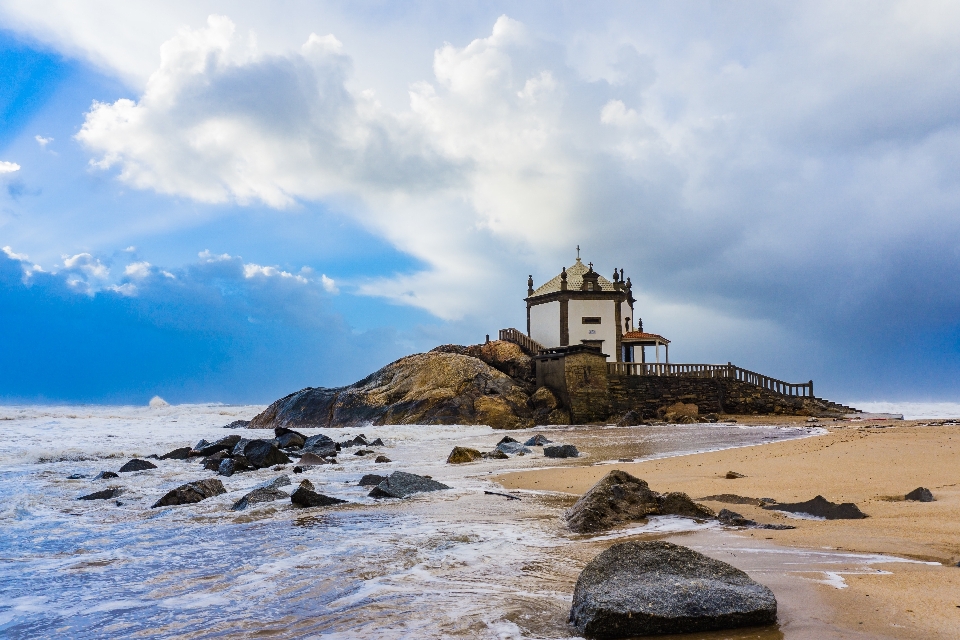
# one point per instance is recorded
(581, 307)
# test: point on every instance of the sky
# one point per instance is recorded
(230, 201)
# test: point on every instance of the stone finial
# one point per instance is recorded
(616, 275)
(640, 325)
(629, 284)
(530, 285)
(621, 274)
(563, 279)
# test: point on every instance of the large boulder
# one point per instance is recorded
(616, 499)
(425, 388)
(226, 443)
(401, 484)
(546, 408)
(682, 413)
(920, 494)
(820, 507)
(191, 492)
(503, 356)
(654, 588)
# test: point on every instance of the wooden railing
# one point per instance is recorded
(730, 371)
(528, 344)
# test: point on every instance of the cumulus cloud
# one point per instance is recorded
(43, 142)
(137, 269)
(329, 284)
(8, 167)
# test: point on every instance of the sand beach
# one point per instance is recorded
(872, 464)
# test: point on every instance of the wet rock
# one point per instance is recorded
(291, 440)
(320, 445)
(105, 494)
(311, 460)
(821, 508)
(496, 454)
(227, 467)
(460, 455)
(677, 503)
(305, 496)
(382, 459)
(561, 451)
(177, 454)
(76, 476)
(920, 494)
(425, 388)
(263, 494)
(105, 475)
(363, 452)
(216, 457)
(262, 453)
(279, 432)
(238, 424)
(653, 588)
(371, 480)
(377, 443)
(137, 464)
(733, 475)
(537, 441)
(225, 443)
(359, 441)
(616, 499)
(506, 439)
(734, 519)
(513, 448)
(191, 492)
(401, 484)
(631, 419)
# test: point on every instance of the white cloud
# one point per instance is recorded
(43, 142)
(137, 269)
(86, 264)
(251, 270)
(126, 289)
(329, 284)
(8, 167)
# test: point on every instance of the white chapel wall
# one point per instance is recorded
(606, 330)
(545, 323)
(627, 312)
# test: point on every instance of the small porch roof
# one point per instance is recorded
(642, 339)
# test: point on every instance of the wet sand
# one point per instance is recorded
(872, 464)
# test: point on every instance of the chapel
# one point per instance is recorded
(581, 307)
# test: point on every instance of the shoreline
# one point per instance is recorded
(868, 463)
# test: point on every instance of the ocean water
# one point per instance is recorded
(912, 410)
(456, 563)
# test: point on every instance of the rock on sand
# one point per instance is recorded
(652, 588)
(191, 492)
(401, 484)
(459, 455)
(821, 508)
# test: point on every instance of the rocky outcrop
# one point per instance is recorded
(191, 492)
(426, 388)
(460, 455)
(619, 498)
(503, 356)
(401, 484)
(820, 507)
(654, 588)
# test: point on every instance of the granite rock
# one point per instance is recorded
(654, 588)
